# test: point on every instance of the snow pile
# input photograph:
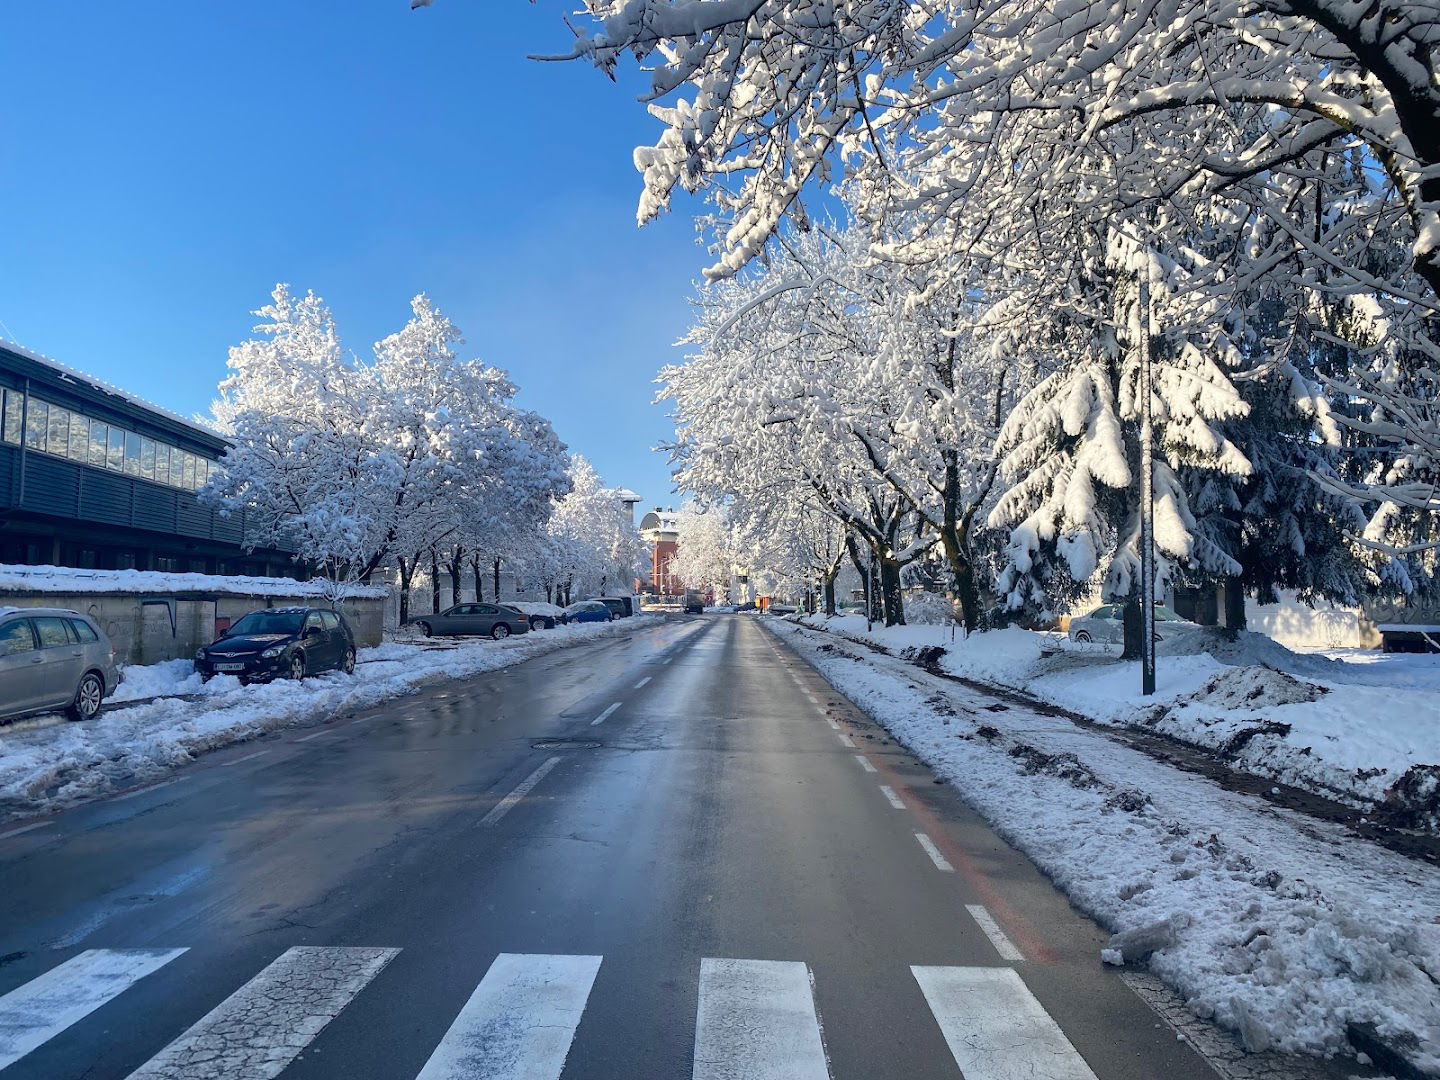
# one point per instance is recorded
(45, 768)
(68, 579)
(167, 678)
(1282, 928)
(1366, 733)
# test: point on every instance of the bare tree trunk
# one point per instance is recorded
(891, 596)
(497, 579)
(830, 576)
(407, 575)
(479, 577)
(457, 560)
(434, 581)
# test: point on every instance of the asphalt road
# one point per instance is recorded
(717, 872)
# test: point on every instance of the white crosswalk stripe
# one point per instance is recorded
(995, 1028)
(45, 1006)
(756, 1021)
(519, 1022)
(262, 1027)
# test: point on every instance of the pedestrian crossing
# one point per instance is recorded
(754, 1019)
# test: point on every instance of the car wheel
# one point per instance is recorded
(297, 666)
(1082, 635)
(425, 629)
(537, 624)
(347, 665)
(499, 631)
(88, 696)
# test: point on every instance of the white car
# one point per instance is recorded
(1106, 624)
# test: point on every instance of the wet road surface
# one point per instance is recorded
(672, 854)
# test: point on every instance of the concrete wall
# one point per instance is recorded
(146, 629)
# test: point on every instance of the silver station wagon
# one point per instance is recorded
(51, 659)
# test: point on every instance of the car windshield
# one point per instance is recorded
(269, 622)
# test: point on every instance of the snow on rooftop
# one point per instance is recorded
(100, 384)
(69, 579)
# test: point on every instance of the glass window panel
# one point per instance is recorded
(58, 440)
(177, 467)
(147, 458)
(132, 453)
(99, 434)
(14, 409)
(115, 453)
(35, 421)
(162, 463)
(79, 437)
(189, 480)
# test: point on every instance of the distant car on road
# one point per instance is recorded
(694, 602)
(587, 611)
(1106, 624)
(53, 658)
(280, 643)
(542, 616)
(493, 620)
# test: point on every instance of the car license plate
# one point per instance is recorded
(229, 667)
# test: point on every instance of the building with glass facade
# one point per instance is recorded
(93, 477)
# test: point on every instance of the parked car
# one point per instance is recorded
(587, 611)
(494, 620)
(54, 658)
(694, 602)
(1106, 624)
(620, 606)
(280, 643)
(542, 616)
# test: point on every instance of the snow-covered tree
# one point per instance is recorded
(595, 547)
(704, 554)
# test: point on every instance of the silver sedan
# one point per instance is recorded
(492, 620)
(1106, 624)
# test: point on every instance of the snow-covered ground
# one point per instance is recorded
(1351, 724)
(1282, 928)
(45, 767)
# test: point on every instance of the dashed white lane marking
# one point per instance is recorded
(642, 682)
(605, 715)
(833, 726)
(891, 797)
(1003, 945)
(995, 1028)
(242, 760)
(521, 790)
(45, 1006)
(23, 829)
(845, 740)
(147, 790)
(312, 735)
(756, 1021)
(941, 863)
(520, 1021)
(864, 763)
(262, 1027)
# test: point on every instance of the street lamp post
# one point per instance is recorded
(1147, 500)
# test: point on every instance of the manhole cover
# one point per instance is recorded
(566, 744)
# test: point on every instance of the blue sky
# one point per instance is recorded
(167, 163)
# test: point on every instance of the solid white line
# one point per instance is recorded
(1003, 945)
(147, 790)
(941, 863)
(604, 715)
(24, 829)
(520, 1021)
(995, 1028)
(847, 741)
(47, 1005)
(521, 790)
(642, 682)
(312, 735)
(865, 763)
(756, 1021)
(242, 760)
(262, 1027)
(891, 797)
